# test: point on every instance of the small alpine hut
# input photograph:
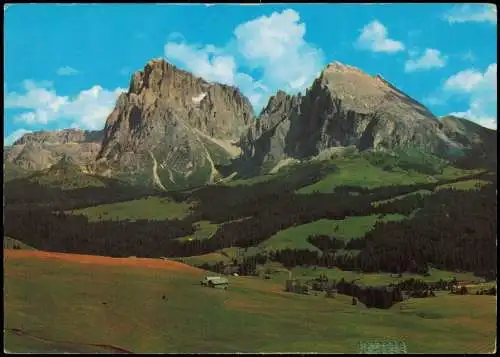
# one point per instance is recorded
(216, 282)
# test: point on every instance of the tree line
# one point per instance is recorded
(444, 231)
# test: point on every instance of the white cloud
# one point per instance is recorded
(431, 58)
(268, 37)
(273, 44)
(374, 37)
(38, 97)
(472, 13)
(255, 91)
(481, 91)
(276, 45)
(91, 107)
(464, 81)
(490, 123)
(214, 65)
(203, 62)
(9, 140)
(67, 71)
(478, 117)
(42, 105)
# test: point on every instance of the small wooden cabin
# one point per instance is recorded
(215, 282)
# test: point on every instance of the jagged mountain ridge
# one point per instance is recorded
(64, 136)
(172, 129)
(343, 107)
(40, 150)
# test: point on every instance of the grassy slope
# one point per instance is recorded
(461, 185)
(280, 275)
(67, 176)
(419, 192)
(232, 253)
(67, 182)
(359, 171)
(250, 181)
(195, 319)
(464, 185)
(209, 258)
(375, 279)
(9, 243)
(296, 237)
(32, 344)
(204, 230)
(254, 315)
(355, 170)
(153, 208)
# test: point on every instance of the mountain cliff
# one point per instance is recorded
(468, 134)
(473, 143)
(344, 107)
(40, 150)
(172, 127)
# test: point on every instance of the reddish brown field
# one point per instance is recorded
(98, 260)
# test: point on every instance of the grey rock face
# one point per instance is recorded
(162, 119)
(343, 107)
(41, 150)
(171, 128)
(467, 135)
(65, 136)
(265, 140)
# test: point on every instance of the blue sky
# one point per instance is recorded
(65, 65)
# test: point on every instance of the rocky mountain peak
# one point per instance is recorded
(343, 107)
(363, 93)
(60, 137)
(169, 120)
(173, 128)
(206, 106)
(155, 72)
(337, 66)
(280, 102)
(41, 150)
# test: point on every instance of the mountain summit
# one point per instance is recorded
(41, 150)
(343, 107)
(172, 126)
(172, 129)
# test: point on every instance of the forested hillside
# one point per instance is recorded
(439, 229)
